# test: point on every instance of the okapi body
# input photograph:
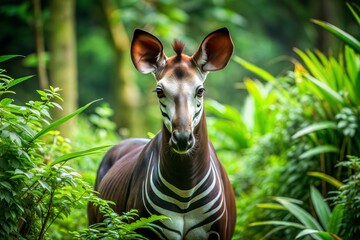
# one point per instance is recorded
(177, 173)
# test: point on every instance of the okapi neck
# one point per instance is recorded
(185, 170)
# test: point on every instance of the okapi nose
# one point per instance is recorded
(181, 142)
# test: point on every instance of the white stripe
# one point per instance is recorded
(178, 191)
(184, 222)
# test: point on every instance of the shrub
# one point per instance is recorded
(349, 196)
(312, 123)
(36, 187)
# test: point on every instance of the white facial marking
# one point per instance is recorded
(187, 90)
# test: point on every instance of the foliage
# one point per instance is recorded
(311, 117)
(326, 228)
(305, 121)
(344, 36)
(116, 226)
(36, 187)
(340, 223)
(348, 195)
(333, 83)
(94, 128)
(100, 130)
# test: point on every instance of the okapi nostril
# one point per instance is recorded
(181, 141)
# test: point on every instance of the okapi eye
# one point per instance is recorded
(200, 92)
(159, 92)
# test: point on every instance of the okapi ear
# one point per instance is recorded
(215, 51)
(146, 52)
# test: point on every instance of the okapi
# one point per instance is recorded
(177, 173)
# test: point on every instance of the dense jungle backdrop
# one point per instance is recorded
(284, 115)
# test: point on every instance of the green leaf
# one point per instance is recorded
(335, 219)
(281, 223)
(352, 65)
(151, 135)
(4, 58)
(45, 185)
(274, 206)
(63, 120)
(5, 102)
(303, 216)
(354, 13)
(315, 233)
(29, 175)
(344, 36)
(321, 208)
(325, 89)
(333, 181)
(319, 150)
(314, 127)
(146, 222)
(15, 138)
(254, 69)
(272, 231)
(223, 111)
(69, 156)
(6, 185)
(19, 80)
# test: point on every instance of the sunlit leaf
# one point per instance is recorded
(351, 63)
(254, 69)
(60, 121)
(281, 223)
(333, 181)
(325, 89)
(315, 233)
(69, 156)
(5, 102)
(344, 36)
(319, 150)
(314, 127)
(18, 80)
(275, 206)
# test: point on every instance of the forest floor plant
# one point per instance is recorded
(36, 185)
(330, 130)
(312, 123)
(340, 223)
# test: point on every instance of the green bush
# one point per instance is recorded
(304, 122)
(348, 195)
(116, 226)
(36, 187)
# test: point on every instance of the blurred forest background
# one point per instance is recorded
(264, 33)
(283, 115)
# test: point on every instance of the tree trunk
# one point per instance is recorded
(62, 66)
(125, 90)
(328, 11)
(40, 48)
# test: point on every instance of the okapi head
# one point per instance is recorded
(180, 80)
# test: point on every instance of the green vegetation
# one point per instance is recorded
(291, 146)
(37, 188)
(298, 127)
